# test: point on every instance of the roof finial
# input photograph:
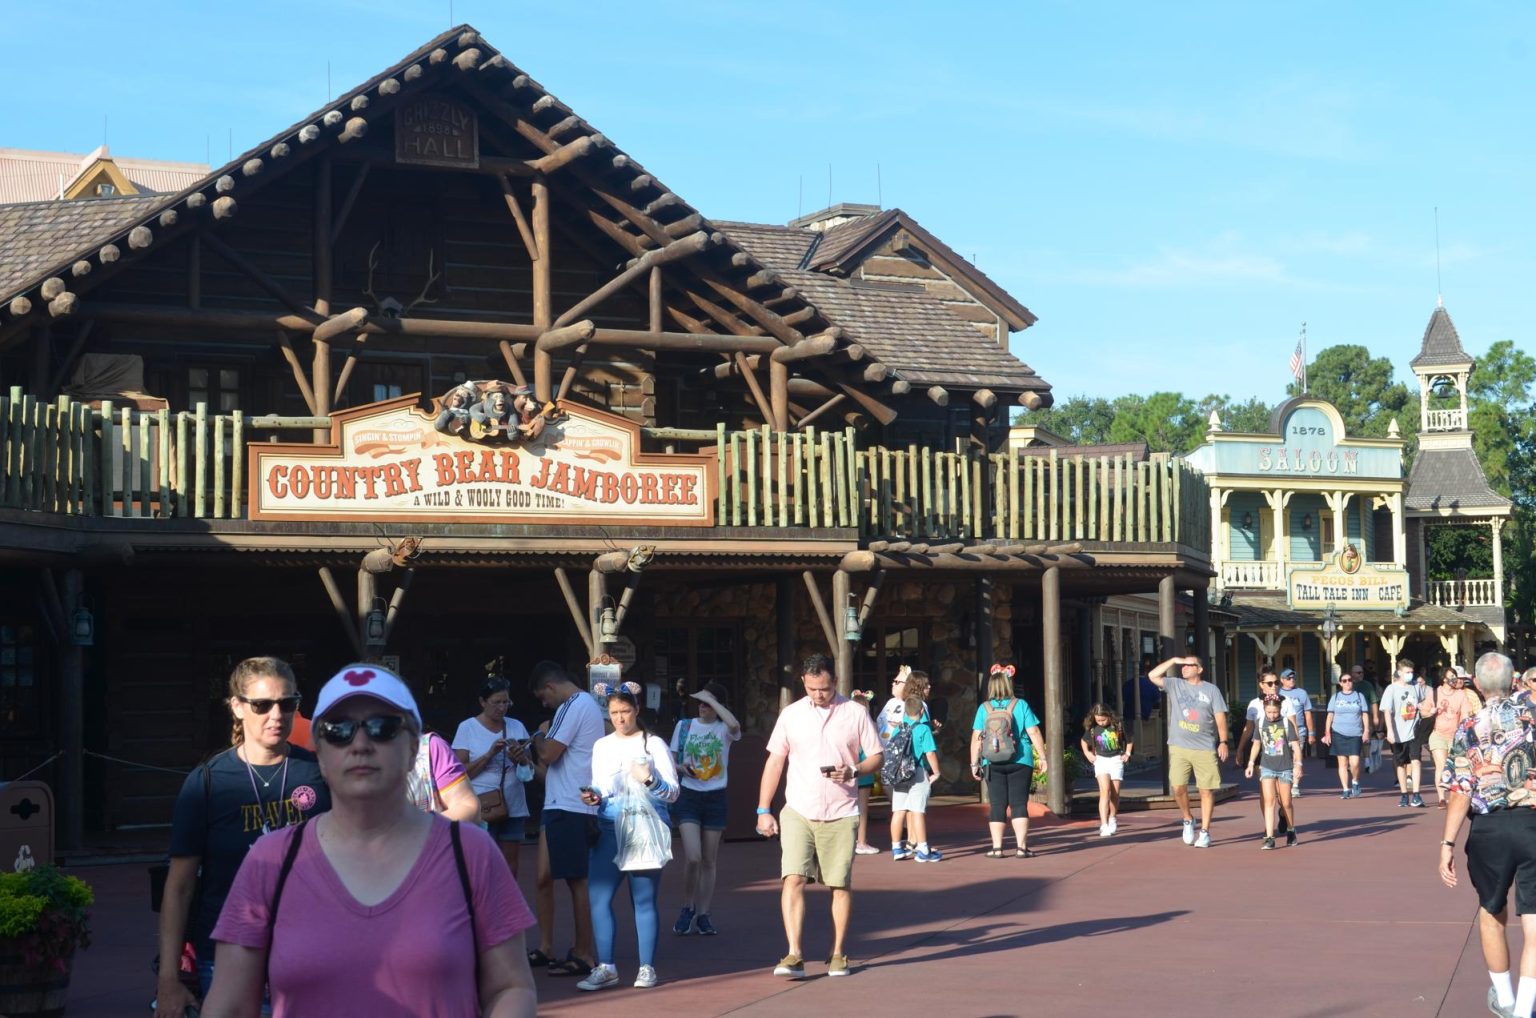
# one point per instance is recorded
(1393, 431)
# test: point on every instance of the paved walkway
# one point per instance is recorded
(1353, 921)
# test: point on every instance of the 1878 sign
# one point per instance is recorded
(436, 131)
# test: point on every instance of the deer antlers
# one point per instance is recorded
(389, 307)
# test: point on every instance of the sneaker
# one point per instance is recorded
(1204, 840)
(1189, 832)
(645, 978)
(1103, 830)
(1113, 826)
(898, 854)
(931, 855)
(1269, 844)
(1416, 800)
(1493, 1005)
(684, 924)
(1290, 838)
(1345, 794)
(703, 927)
(865, 850)
(1354, 790)
(837, 965)
(1402, 800)
(602, 977)
(1295, 792)
(790, 967)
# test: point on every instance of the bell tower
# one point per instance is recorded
(1441, 367)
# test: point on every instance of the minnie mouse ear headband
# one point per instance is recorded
(1007, 670)
(608, 689)
(366, 680)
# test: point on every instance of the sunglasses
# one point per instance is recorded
(1346, 678)
(1266, 683)
(379, 729)
(285, 704)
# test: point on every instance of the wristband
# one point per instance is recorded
(1448, 844)
(764, 811)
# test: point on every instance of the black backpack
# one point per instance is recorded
(898, 769)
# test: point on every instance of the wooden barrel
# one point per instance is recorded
(31, 991)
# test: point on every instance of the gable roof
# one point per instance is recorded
(1450, 480)
(911, 332)
(1441, 347)
(27, 175)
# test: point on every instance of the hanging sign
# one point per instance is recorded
(559, 464)
(1346, 581)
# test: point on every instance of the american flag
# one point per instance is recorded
(1298, 362)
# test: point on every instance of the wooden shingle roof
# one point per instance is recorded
(1442, 345)
(1450, 480)
(35, 236)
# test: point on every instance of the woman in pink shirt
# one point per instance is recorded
(382, 909)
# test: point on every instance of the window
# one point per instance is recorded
(217, 387)
(20, 703)
(695, 654)
(885, 648)
(383, 391)
(105, 190)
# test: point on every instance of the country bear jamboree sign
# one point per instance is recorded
(389, 461)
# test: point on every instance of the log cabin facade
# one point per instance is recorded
(844, 381)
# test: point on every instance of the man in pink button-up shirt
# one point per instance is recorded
(819, 738)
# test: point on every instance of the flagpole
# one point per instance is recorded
(1303, 358)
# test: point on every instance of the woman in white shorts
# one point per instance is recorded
(1106, 744)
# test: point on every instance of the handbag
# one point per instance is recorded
(645, 840)
(493, 804)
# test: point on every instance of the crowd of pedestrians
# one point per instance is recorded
(282, 857)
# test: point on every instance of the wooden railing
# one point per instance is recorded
(65, 457)
(1447, 420)
(1464, 593)
(1257, 575)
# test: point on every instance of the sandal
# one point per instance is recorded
(996, 853)
(537, 958)
(1024, 853)
(571, 965)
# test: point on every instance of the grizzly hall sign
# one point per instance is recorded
(391, 461)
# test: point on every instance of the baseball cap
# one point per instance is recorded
(360, 679)
(1289, 673)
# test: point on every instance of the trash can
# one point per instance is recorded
(26, 825)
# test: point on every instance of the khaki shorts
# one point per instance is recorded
(1199, 763)
(817, 849)
(1440, 742)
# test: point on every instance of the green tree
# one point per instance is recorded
(1502, 417)
(1082, 420)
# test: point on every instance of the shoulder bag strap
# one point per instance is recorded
(469, 897)
(282, 879)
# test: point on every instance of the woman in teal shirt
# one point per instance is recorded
(1008, 781)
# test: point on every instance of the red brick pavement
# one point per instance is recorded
(1353, 921)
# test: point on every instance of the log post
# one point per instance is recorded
(1057, 783)
(395, 601)
(820, 605)
(72, 723)
(339, 604)
(653, 292)
(597, 589)
(1167, 647)
(784, 608)
(543, 315)
(367, 591)
(322, 243)
(778, 393)
(843, 652)
(574, 606)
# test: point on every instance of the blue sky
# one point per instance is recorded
(1172, 188)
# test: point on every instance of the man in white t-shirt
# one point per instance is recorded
(563, 751)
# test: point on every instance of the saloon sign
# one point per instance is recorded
(387, 461)
(1345, 581)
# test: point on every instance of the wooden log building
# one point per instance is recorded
(216, 422)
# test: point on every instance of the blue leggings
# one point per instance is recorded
(603, 877)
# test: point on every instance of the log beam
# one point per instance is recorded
(691, 245)
(828, 631)
(516, 208)
(763, 405)
(259, 277)
(939, 395)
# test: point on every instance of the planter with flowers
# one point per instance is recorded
(44, 918)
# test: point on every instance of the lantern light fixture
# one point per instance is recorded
(82, 628)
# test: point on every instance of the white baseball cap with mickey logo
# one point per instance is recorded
(366, 680)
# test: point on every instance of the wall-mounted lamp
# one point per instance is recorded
(1306, 521)
(1247, 521)
(608, 623)
(1330, 624)
(82, 628)
(373, 625)
(852, 630)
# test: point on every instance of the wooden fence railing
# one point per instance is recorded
(65, 457)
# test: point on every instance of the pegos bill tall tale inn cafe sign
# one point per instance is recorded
(1347, 581)
(391, 461)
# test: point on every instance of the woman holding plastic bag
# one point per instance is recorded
(633, 780)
